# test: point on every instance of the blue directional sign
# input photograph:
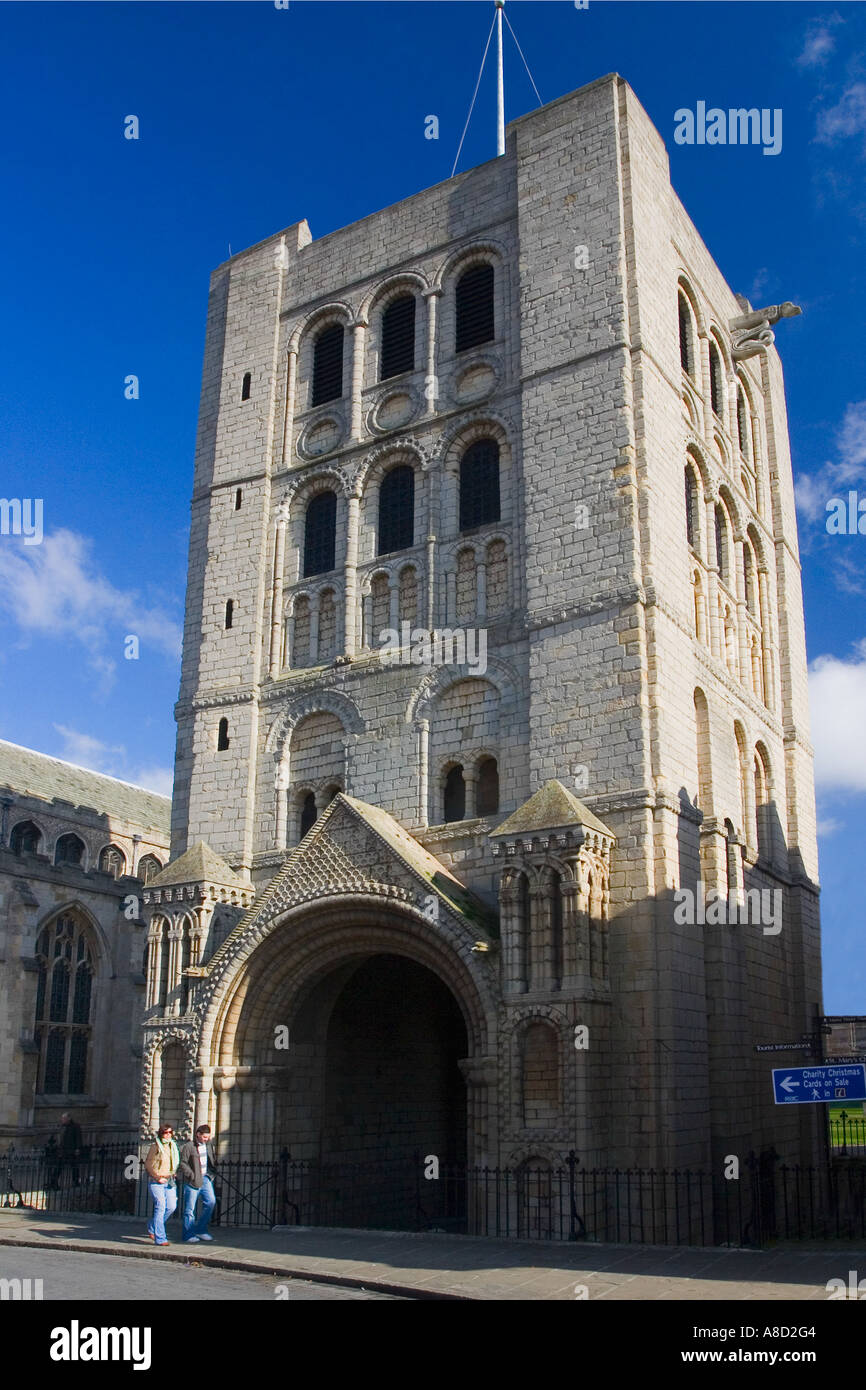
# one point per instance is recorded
(808, 1085)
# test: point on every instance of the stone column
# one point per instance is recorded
(450, 597)
(704, 353)
(175, 944)
(573, 949)
(481, 589)
(277, 593)
(768, 641)
(745, 661)
(482, 1138)
(514, 932)
(359, 338)
(314, 629)
(350, 577)
(154, 966)
(291, 391)
(431, 384)
(716, 638)
(423, 728)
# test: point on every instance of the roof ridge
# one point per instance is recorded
(79, 767)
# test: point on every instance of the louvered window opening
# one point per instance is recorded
(475, 317)
(716, 393)
(328, 365)
(479, 484)
(320, 534)
(685, 335)
(398, 337)
(691, 509)
(397, 510)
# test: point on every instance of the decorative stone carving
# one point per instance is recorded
(752, 330)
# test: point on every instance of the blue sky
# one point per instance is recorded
(252, 118)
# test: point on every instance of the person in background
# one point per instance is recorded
(161, 1166)
(197, 1166)
(69, 1145)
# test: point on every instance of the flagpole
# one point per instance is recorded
(500, 84)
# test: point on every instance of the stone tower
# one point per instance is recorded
(513, 406)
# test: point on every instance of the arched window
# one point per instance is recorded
(540, 1076)
(763, 820)
(723, 559)
(398, 337)
(479, 484)
(223, 736)
(467, 584)
(687, 348)
(731, 867)
(454, 798)
(328, 365)
(327, 627)
(309, 814)
(397, 510)
(692, 507)
(25, 838)
(148, 868)
(408, 595)
(497, 578)
(717, 389)
(320, 534)
(112, 861)
(751, 579)
(230, 610)
(380, 609)
(475, 313)
(301, 633)
(704, 764)
(245, 386)
(64, 999)
(487, 791)
(69, 850)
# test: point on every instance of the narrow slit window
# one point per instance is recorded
(245, 387)
(238, 500)
(230, 609)
(223, 736)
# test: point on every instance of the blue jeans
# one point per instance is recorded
(164, 1202)
(191, 1194)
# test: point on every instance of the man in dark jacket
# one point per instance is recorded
(197, 1166)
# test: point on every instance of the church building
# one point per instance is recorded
(493, 831)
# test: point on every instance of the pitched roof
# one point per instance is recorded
(198, 864)
(29, 773)
(552, 807)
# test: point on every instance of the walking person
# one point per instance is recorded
(197, 1166)
(161, 1166)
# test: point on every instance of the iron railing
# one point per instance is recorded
(768, 1202)
(847, 1132)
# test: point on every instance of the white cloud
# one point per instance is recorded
(837, 694)
(819, 44)
(846, 118)
(55, 589)
(112, 759)
(827, 826)
(814, 490)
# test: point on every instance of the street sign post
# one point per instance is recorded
(811, 1085)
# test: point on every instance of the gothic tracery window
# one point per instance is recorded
(64, 1001)
(25, 838)
(69, 850)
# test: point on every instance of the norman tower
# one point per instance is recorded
(524, 404)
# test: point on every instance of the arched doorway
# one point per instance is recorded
(380, 1093)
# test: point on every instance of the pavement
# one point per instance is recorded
(432, 1266)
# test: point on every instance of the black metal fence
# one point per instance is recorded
(768, 1202)
(847, 1132)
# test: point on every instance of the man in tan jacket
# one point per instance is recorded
(161, 1166)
